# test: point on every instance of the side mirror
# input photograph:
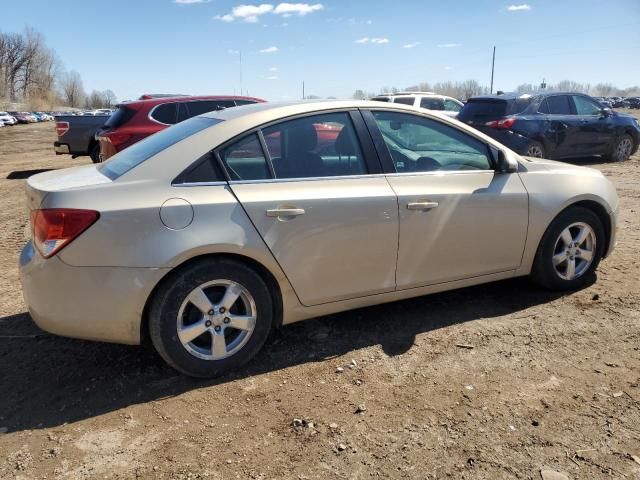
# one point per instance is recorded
(606, 112)
(502, 163)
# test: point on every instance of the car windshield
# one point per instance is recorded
(139, 152)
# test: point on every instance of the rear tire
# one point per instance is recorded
(570, 250)
(229, 325)
(621, 149)
(535, 149)
(94, 153)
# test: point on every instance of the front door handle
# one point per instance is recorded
(285, 212)
(422, 205)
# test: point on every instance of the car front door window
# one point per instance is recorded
(418, 144)
(584, 106)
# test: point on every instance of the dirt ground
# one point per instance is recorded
(551, 381)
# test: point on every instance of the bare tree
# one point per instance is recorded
(110, 98)
(72, 89)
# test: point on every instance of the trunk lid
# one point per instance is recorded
(40, 185)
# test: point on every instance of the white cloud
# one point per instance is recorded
(411, 45)
(269, 50)
(233, 52)
(449, 45)
(272, 77)
(519, 8)
(273, 69)
(301, 9)
(374, 40)
(448, 68)
(252, 13)
(189, 2)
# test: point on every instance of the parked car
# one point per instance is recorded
(634, 102)
(554, 125)
(138, 119)
(76, 135)
(23, 117)
(203, 237)
(428, 100)
(7, 119)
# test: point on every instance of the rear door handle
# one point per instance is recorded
(422, 205)
(285, 212)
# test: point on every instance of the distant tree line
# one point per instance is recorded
(470, 88)
(31, 73)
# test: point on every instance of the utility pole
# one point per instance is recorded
(240, 72)
(302, 89)
(493, 64)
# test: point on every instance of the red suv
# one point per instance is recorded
(135, 120)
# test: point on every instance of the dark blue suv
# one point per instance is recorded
(553, 125)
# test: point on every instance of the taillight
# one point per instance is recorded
(116, 138)
(504, 123)
(55, 228)
(62, 128)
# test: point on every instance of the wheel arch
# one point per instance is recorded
(267, 276)
(595, 207)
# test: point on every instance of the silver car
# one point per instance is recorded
(207, 235)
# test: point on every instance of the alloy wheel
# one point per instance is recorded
(535, 151)
(574, 251)
(216, 319)
(623, 149)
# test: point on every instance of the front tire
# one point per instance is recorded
(570, 250)
(621, 149)
(211, 317)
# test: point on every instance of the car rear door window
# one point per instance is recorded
(323, 145)
(405, 100)
(558, 105)
(245, 160)
(432, 103)
(584, 106)
(418, 144)
(166, 113)
(205, 106)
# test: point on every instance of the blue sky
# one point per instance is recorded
(335, 46)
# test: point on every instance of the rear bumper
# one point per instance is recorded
(92, 303)
(61, 148)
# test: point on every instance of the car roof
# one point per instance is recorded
(187, 98)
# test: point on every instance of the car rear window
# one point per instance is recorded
(381, 99)
(139, 152)
(121, 116)
(485, 108)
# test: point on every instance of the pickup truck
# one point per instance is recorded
(76, 135)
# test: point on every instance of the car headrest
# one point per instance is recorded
(303, 138)
(345, 143)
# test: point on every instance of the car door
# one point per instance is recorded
(458, 217)
(562, 126)
(323, 207)
(595, 130)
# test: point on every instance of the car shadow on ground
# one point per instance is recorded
(47, 380)
(22, 174)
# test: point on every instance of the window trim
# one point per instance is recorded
(365, 142)
(385, 156)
